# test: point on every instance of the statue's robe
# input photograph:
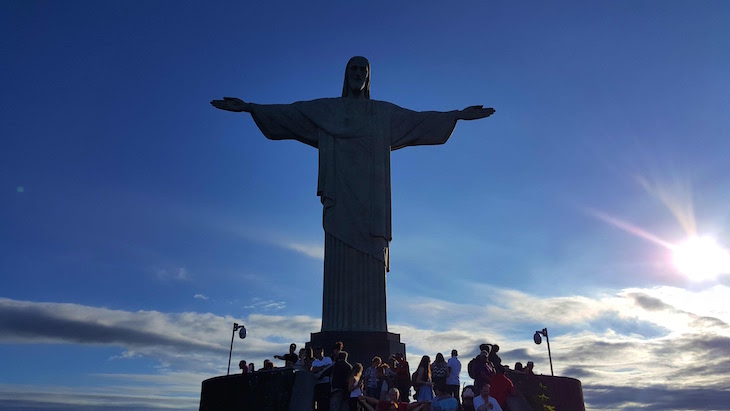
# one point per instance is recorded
(354, 138)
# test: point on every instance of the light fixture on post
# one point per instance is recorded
(241, 334)
(538, 339)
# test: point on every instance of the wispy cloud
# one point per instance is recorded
(201, 297)
(281, 240)
(313, 251)
(259, 304)
(172, 274)
(657, 397)
(168, 391)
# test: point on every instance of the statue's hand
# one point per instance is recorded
(231, 104)
(475, 112)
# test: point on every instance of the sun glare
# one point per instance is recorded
(701, 258)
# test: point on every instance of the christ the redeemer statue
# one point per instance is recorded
(354, 136)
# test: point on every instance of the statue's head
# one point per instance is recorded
(357, 78)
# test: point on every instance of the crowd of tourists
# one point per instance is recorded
(386, 385)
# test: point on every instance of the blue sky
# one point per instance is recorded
(137, 223)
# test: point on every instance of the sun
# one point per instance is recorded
(701, 258)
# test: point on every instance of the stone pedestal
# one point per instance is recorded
(289, 389)
(361, 346)
(563, 393)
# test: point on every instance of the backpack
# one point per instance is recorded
(470, 368)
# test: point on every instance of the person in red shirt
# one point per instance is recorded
(501, 386)
(403, 377)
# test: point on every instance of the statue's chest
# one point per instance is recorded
(357, 116)
(357, 120)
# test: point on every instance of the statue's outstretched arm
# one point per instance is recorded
(474, 113)
(231, 104)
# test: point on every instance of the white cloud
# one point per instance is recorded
(201, 297)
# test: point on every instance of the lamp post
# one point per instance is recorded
(538, 340)
(242, 335)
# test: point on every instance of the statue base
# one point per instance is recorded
(361, 346)
(280, 389)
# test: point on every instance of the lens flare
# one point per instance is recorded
(700, 258)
